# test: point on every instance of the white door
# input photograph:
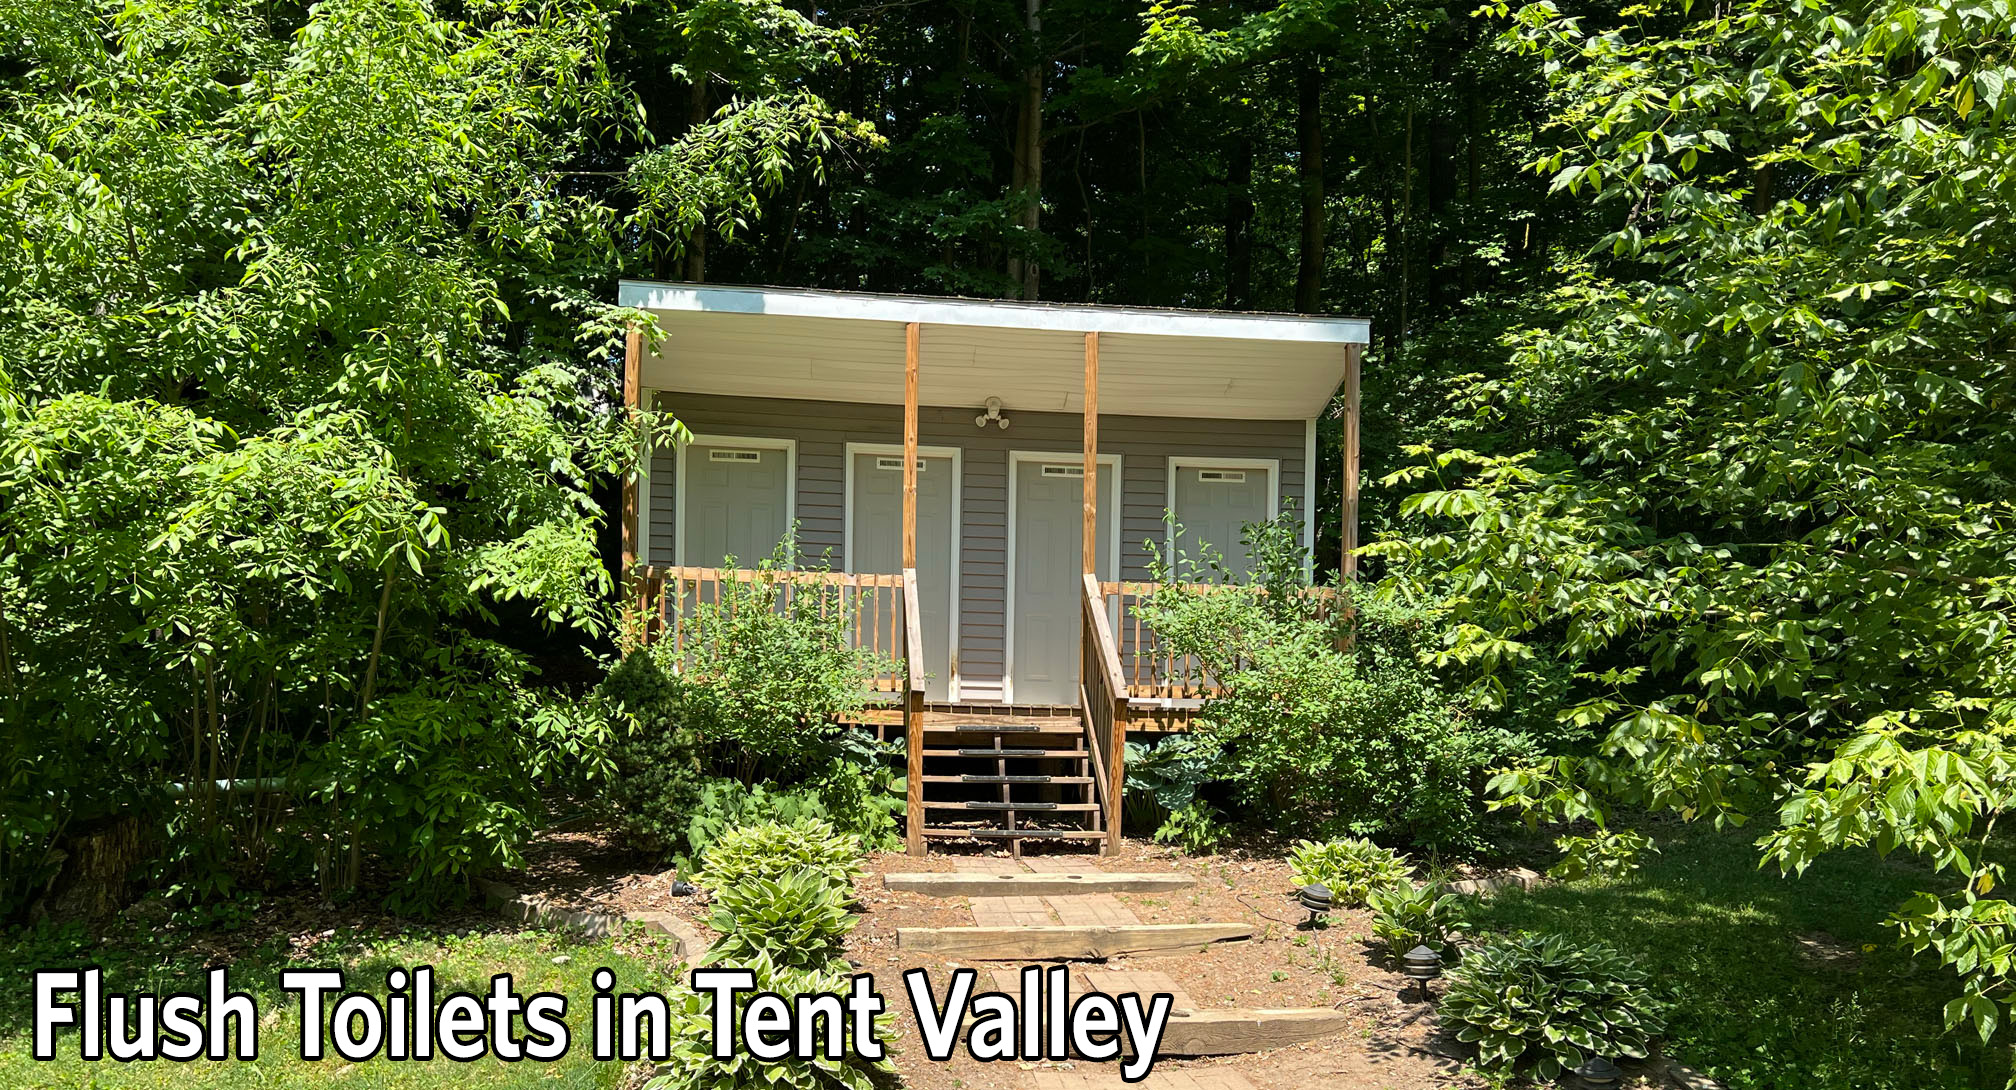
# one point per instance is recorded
(737, 502)
(1214, 502)
(876, 537)
(1047, 573)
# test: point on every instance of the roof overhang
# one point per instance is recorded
(848, 346)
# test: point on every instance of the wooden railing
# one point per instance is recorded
(873, 605)
(1152, 672)
(1104, 696)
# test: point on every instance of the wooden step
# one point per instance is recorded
(1031, 807)
(999, 728)
(1008, 779)
(969, 884)
(1066, 941)
(950, 832)
(1230, 1031)
(1006, 751)
(1215, 1078)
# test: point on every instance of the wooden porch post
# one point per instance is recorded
(913, 700)
(1091, 550)
(910, 445)
(1348, 537)
(1116, 741)
(633, 362)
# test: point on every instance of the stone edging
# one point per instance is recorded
(539, 912)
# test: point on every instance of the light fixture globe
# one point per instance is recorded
(1317, 898)
(1421, 965)
(1597, 1073)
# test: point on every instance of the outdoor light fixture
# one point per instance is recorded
(1421, 965)
(1597, 1073)
(1316, 898)
(992, 415)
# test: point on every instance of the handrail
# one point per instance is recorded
(1104, 693)
(1151, 672)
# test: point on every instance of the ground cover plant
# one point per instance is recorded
(1352, 867)
(464, 954)
(1544, 1004)
(1779, 981)
(1405, 916)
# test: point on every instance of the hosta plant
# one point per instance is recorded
(692, 1064)
(1551, 1003)
(797, 921)
(775, 849)
(1404, 917)
(1351, 867)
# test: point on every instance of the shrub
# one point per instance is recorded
(797, 921)
(1165, 777)
(760, 679)
(694, 1066)
(1331, 734)
(1404, 916)
(1352, 868)
(1550, 1002)
(774, 850)
(1195, 828)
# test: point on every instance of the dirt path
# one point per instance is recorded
(1388, 1044)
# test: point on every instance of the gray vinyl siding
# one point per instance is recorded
(824, 428)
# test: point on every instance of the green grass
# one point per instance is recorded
(136, 959)
(1754, 1009)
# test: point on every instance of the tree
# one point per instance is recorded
(1780, 541)
(307, 380)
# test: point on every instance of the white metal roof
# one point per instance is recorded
(848, 346)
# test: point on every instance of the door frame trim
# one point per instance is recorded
(1015, 458)
(679, 493)
(958, 456)
(1198, 461)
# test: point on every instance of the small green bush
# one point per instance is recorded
(1551, 1003)
(798, 921)
(1196, 828)
(1165, 777)
(1352, 868)
(693, 1065)
(1404, 917)
(773, 850)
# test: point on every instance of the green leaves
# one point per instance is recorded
(1547, 1004)
(1776, 549)
(1353, 868)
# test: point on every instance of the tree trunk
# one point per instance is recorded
(696, 240)
(1028, 187)
(1309, 133)
(1239, 225)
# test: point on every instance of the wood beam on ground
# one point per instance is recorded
(1034, 885)
(1063, 941)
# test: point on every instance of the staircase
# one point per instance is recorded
(1014, 776)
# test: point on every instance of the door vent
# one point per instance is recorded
(1064, 471)
(895, 464)
(1228, 476)
(718, 455)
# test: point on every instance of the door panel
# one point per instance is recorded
(1213, 503)
(736, 502)
(877, 514)
(1045, 553)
